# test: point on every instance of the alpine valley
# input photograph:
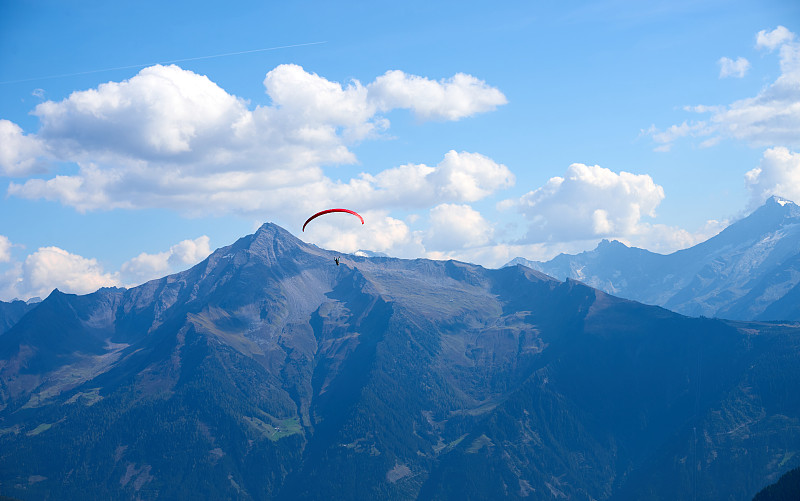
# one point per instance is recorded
(268, 372)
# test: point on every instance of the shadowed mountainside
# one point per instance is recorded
(11, 312)
(787, 488)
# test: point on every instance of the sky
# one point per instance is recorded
(137, 137)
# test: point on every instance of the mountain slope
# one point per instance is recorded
(749, 271)
(787, 488)
(268, 372)
(11, 312)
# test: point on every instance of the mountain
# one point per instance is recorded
(11, 312)
(749, 271)
(787, 488)
(269, 372)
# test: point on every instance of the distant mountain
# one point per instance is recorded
(749, 271)
(268, 372)
(11, 312)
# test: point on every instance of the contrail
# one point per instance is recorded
(161, 62)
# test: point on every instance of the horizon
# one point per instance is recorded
(361, 253)
(545, 131)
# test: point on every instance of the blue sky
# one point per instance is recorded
(458, 130)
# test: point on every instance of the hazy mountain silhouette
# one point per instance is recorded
(268, 372)
(749, 271)
(11, 312)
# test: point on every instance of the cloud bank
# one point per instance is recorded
(169, 138)
(51, 267)
(771, 118)
(777, 174)
(588, 202)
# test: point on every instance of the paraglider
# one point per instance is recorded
(328, 211)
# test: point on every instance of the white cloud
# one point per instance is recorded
(773, 39)
(52, 267)
(5, 249)
(189, 252)
(455, 227)
(459, 177)
(19, 153)
(171, 138)
(589, 202)
(182, 255)
(778, 173)
(470, 177)
(145, 267)
(730, 68)
(771, 118)
(310, 107)
(665, 239)
(668, 136)
(383, 233)
(448, 99)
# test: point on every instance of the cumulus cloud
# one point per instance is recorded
(52, 267)
(778, 173)
(665, 239)
(459, 177)
(20, 154)
(773, 39)
(771, 118)
(5, 249)
(448, 99)
(164, 115)
(589, 202)
(730, 68)
(383, 233)
(454, 227)
(146, 266)
(170, 138)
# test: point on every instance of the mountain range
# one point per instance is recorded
(749, 271)
(269, 372)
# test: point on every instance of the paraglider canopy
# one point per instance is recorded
(328, 211)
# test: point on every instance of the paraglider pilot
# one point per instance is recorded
(328, 211)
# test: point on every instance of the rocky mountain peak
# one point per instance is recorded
(606, 245)
(776, 210)
(270, 244)
(776, 200)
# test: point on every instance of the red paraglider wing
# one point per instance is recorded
(328, 211)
